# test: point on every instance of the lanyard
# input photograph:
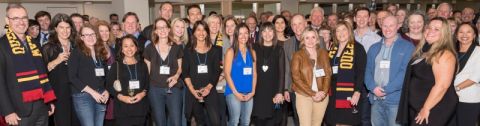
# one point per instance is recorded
(98, 64)
(198, 58)
(130, 72)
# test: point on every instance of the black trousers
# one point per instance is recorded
(131, 121)
(38, 117)
(468, 113)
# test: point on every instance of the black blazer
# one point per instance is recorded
(10, 94)
(81, 72)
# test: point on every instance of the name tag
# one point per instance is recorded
(385, 64)
(202, 69)
(164, 70)
(109, 67)
(335, 69)
(99, 72)
(134, 84)
(247, 71)
(319, 73)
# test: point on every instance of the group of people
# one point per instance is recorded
(387, 67)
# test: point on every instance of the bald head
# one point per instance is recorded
(298, 24)
(390, 27)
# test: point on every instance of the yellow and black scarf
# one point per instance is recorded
(345, 77)
(29, 69)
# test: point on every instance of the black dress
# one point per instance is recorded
(64, 113)
(419, 80)
(269, 82)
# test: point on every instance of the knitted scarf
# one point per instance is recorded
(345, 77)
(29, 69)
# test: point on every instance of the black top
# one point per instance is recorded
(81, 72)
(152, 54)
(269, 82)
(138, 72)
(60, 83)
(190, 66)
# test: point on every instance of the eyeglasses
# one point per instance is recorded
(89, 35)
(18, 19)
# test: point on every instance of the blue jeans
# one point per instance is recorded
(160, 101)
(384, 114)
(89, 112)
(239, 110)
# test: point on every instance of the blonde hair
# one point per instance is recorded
(304, 34)
(184, 37)
(349, 29)
(437, 48)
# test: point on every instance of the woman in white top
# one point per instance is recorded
(467, 80)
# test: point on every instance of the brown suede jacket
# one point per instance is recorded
(302, 72)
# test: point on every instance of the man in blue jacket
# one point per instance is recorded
(387, 62)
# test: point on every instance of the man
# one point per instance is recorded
(77, 20)
(43, 18)
(24, 87)
(264, 16)
(298, 24)
(444, 10)
(165, 11)
(332, 20)
(253, 29)
(194, 14)
(387, 61)
(431, 13)
(286, 14)
(468, 14)
(392, 8)
(380, 16)
(367, 37)
(113, 18)
(363, 34)
(316, 18)
(130, 26)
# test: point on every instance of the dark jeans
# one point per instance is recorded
(38, 117)
(89, 112)
(161, 101)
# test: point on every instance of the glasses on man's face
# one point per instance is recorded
(89, 35)
(18, 19)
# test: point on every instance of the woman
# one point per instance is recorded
(428, 95)
(311, 73)
(86, 71)
(241, 75)
(229, 26)
(466, 81)
(178, 33)
(164, 59)
(326, 34)
(201, 70)
(56, 53)
(116, 30)
(214, 23)
(271, 81)
(131, 106)
(372, 22)
(281, 25)
(33, 29)
(415, 24)
(347, 79)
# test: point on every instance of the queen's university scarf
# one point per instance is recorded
(29, 69)
(219, 40)
(345, 77)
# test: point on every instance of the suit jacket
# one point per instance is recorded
(401, 55)
(10, 93)
(290, 47)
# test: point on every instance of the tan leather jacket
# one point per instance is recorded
(302, 72)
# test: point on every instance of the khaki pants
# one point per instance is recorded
(310, 113)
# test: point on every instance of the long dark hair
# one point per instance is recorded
(285, 31)
(475, 31)
(100, 50)
(57, 19)
(120, 55)
(236, 33)
(193, 42)
(265, 26)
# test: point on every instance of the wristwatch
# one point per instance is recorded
(457, 88)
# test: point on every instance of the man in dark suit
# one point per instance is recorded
(252, 23)
(24, 87)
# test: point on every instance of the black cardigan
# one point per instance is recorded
(81, 72)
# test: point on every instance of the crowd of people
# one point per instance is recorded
(366, 67)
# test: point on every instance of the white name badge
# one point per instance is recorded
(99, 72)
(319, 73)
(109, 67)
(385, 64)
(202, 69)
(335, 69)
(164, 70)
(247, 71)
(134, 84)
